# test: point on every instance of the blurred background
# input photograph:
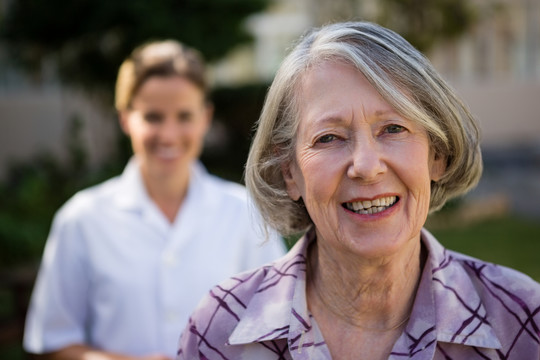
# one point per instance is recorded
(59, 132)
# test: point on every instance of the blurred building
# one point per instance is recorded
(495, 66)
(36, 116)
(497, 69)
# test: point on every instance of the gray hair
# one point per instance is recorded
(401, 75)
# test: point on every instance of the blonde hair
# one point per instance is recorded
(403, 77)
(160, 58)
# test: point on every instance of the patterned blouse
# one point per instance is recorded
(464, 309)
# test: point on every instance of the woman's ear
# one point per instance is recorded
(437, 167)
(209, 114)
(124, 121)
(288, 171)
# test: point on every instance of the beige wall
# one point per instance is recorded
(508, 113)
(37, 121)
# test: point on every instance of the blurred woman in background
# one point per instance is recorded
(127, 260)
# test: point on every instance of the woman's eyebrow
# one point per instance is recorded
(330, 117)
(392, 112)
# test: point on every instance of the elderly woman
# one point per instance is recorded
(358, 141)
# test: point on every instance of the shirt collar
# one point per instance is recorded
(132, 194)
(461, 317)
(447, 307)
(278, 309)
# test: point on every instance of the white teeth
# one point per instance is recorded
(357, 206)
(167, 153)
(371, 206)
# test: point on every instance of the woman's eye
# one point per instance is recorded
(326, 139)
(185, 116)
(394, 129)
(152, 117)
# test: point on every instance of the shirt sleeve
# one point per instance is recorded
(58, 308)
(188, 348)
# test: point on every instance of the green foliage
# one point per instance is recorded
(31, 194)
(12, 352)
(6, 304)
(237, 109)
(423, 22)
(90, 38)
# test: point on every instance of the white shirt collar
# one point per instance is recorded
(132, 194)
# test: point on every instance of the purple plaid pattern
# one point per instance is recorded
(464, 309)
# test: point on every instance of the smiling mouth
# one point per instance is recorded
(370, 207)
(167, 153)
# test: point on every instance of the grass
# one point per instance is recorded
(509, 241)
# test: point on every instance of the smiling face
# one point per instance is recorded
(166, 123)
(362, 170)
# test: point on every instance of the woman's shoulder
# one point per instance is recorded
(477, 269)
(218, 313)
(502, 289)
(496, 273)
(225, 194)
(509, 302)
(87, 200)
(226, 188)
(243, 295)
(244, 308)
(498, 286)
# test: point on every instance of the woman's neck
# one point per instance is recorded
(372, 295)
(168, 193)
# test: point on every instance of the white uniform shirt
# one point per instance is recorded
(118, 276)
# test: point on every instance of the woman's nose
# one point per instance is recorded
(170, 129)
(367, 160)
